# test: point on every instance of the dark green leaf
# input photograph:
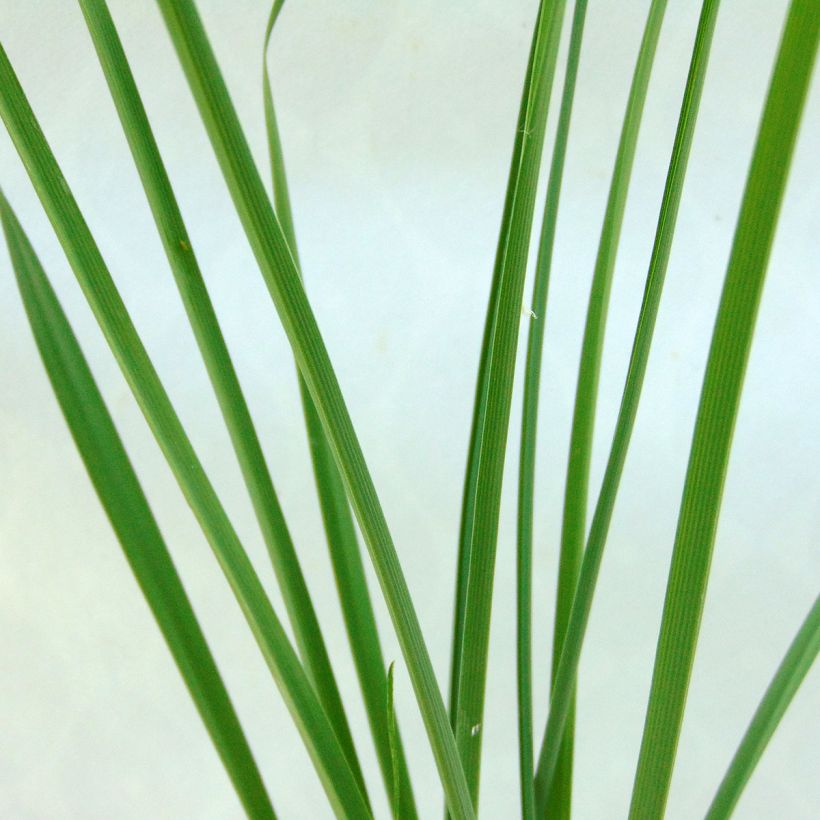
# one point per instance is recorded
(281, 275)
(567, 669)
(180, 252)
(94, 278)
(719, 401)
(583, 420)
(127, 509)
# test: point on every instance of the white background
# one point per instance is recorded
(398, 119)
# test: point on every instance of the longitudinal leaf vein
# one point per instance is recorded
(719, 402)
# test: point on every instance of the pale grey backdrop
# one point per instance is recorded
(398, 120)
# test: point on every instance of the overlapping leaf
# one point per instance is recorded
(281, 276)
(343, 544)
(102, 295)
(180, 252)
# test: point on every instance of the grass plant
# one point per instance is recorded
(347, 495)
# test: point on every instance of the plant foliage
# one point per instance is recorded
(301, 668)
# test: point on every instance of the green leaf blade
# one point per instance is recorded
(179, 250)
(491, 417)
(567, 670)
(131, 518)
(529, 422)
(573, 530)
(345, 554)
(790, 674)
(719, 402)
(281, 276)
(104, 299)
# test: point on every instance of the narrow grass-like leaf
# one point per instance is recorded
(345, 554)
(793, 668)
(281, 275)
(494, 396)
(395, 748)
(583, 419)
(717, 412)
(567, 669)
(480, 401)
(131, 518)
(94, 278)
(179, 250)
(529, 423)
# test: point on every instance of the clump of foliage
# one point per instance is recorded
(302, 669)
